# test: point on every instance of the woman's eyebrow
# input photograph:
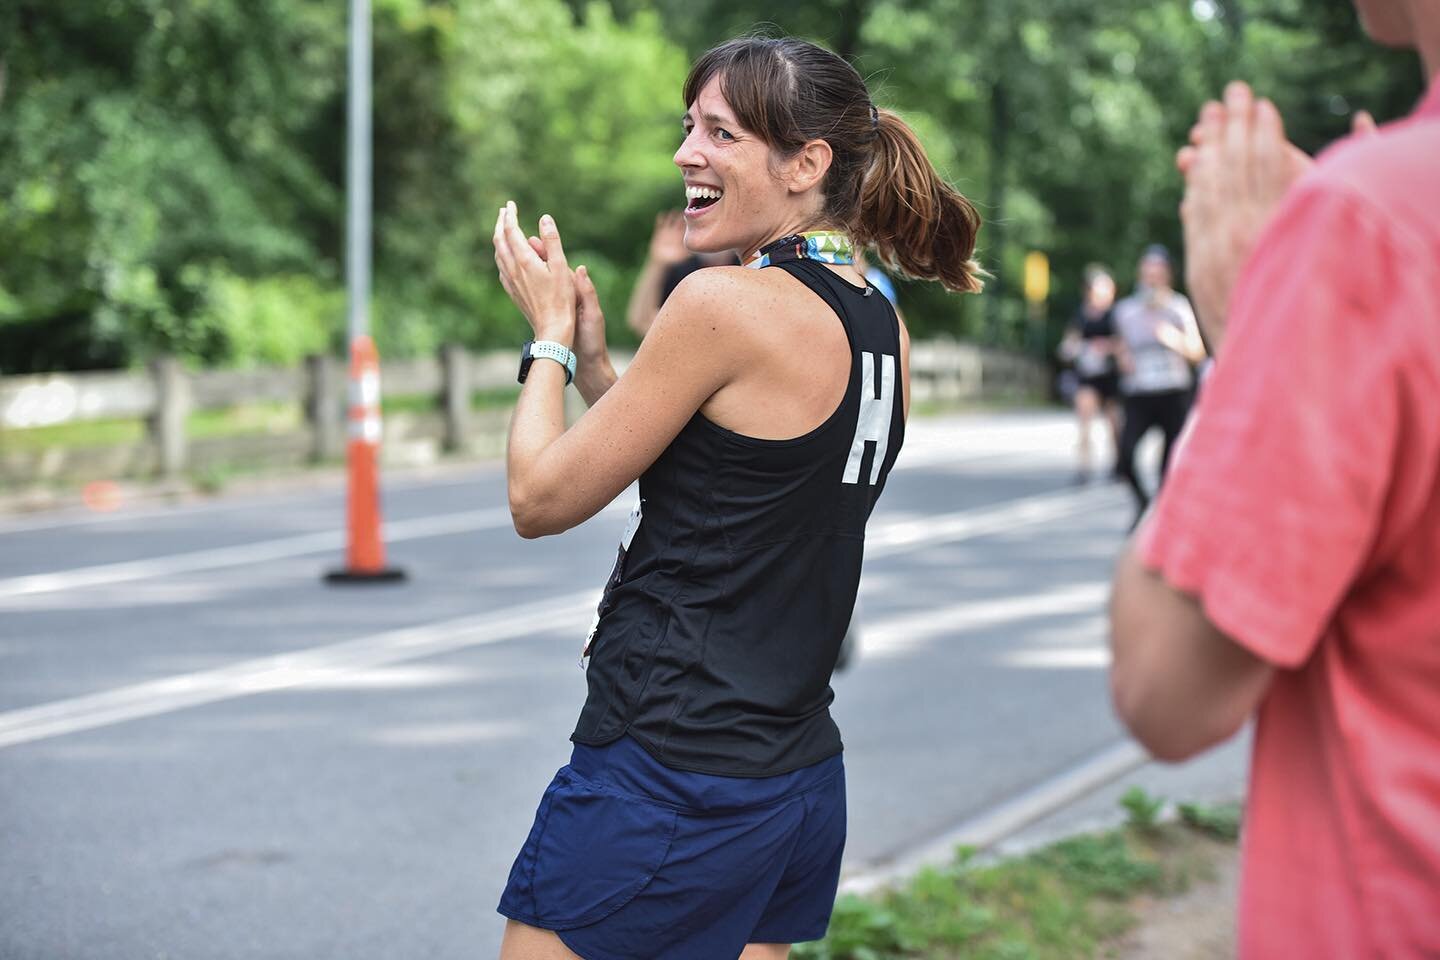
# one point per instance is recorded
(713, 119)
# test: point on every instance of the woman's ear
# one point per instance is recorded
(809, 166)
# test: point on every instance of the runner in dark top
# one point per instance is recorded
(702, 814)
(1090, 345)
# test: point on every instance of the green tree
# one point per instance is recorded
(145, 146)
(576, 118)
(171, 175)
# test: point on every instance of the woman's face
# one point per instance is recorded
(1155, 273)
(733, 201)
(1102, 291)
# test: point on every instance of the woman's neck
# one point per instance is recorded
(795, 228)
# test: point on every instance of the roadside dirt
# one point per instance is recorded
(1198, 924)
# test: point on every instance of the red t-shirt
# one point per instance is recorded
(1304, 513)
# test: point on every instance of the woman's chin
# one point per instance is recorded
(700, 240)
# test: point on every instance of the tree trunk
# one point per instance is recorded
(852, 21)
(999, 173)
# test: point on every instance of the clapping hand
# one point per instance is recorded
(667, 243)
(588, 329)
(1237, 169)
(534, 273)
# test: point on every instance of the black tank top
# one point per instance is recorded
(721, 624)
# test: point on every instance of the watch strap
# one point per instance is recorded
(551, 350)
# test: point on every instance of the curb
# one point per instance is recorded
(998, 823)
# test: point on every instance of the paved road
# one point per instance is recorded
(205, 753)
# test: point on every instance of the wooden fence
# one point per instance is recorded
(165, 395)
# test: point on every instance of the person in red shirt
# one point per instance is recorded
(1292, 564)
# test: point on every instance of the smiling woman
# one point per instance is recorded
(702, 815)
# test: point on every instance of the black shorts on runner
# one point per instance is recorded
(1107, 385)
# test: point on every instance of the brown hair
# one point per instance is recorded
(881, 188)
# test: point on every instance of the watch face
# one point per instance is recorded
(525, 360)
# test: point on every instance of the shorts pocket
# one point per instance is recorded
(594, 851)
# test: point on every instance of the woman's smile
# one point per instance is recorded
(700, 199)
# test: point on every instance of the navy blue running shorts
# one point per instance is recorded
(629, 858)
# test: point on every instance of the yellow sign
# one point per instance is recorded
(1037, 277)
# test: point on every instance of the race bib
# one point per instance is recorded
(1091, 362)
(1158, 369)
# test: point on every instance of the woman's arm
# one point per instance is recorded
(645, 298)
(667, 248)
(1185, 339)
(1069, 346)
(559, 478)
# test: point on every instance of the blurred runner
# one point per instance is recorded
(1090, 346)
(1159, 341)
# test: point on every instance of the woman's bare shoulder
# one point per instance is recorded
(726, 300)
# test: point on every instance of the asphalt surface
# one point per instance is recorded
(207, 753)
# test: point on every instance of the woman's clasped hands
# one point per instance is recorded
(535, 275)
(560, 304)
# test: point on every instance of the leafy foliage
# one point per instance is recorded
(1143, 809)
(1061, 901)
(1222, 821)
(172, 175)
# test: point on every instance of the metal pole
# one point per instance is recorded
(365, 547)
(357, 173)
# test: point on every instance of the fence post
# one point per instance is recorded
(972, 371)
(322, 407)
(167, 422)
(4, 469)
(455, 395)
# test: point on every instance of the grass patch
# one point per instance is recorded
(88, 433)
(1221, 821)
(280, 417)
(246, 420)
(493, 398)
(1067, 900)
(1142, 809)
(250, 419)
(1018, 400)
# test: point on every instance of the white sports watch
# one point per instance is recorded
(550, 350)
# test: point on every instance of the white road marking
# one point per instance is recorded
(882, 539)
(143, 505)
(902, 634)
(1093, 657)
(263, 551)
(928, 444)
(317, 665)
(900, 536)
(569, 611)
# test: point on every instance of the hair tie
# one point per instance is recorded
(874, 117)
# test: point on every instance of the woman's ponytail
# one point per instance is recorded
(917, 222)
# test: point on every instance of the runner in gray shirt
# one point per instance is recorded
(1160, 342)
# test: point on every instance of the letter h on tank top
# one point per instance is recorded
(876, 407)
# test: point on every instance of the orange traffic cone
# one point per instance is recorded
(365, 551)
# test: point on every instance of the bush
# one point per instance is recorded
(271, 321)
